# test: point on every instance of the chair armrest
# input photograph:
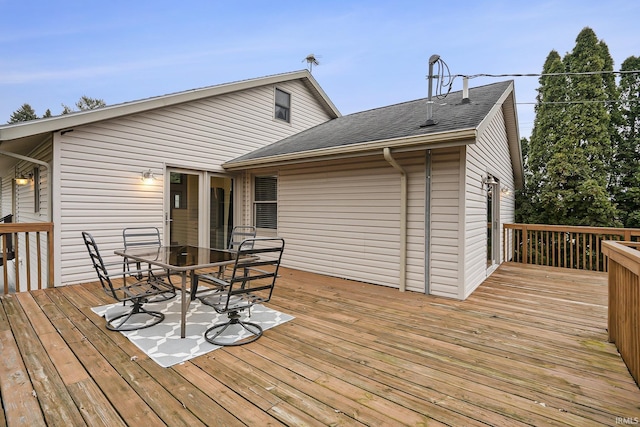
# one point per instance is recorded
(213, 280)
(126, 273)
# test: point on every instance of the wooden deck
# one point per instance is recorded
(529, 347)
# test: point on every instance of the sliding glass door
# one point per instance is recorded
(220, 211)
(200, 208)
(184, 200)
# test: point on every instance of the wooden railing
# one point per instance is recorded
(562, 246)
(27, 253)
(624, 301)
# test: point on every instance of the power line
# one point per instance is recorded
(585, 73)
(590, 101)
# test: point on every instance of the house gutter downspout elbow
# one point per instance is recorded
(403, 217)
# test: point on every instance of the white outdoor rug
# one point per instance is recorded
(162, 342)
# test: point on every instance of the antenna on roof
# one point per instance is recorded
(311, 60)
(430, 122)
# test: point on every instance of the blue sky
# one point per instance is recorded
(371, 53)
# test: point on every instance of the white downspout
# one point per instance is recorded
(403, 217)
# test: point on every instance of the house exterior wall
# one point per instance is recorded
(489, 155)
(342, 218)
(99, 165)
(25, 211)
(6, 195)
(447, 219)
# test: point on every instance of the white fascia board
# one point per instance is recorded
(464, 136)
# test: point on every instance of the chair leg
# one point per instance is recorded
(214, 334)
(155, 317)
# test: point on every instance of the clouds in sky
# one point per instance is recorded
(372, 53)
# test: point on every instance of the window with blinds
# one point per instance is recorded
(265, 206)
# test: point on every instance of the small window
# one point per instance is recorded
(36, 190)
(265, 211)
(283, 105)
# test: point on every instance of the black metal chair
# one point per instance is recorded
(239, 234)
(252, 281)
(137, 293)
(144, 237)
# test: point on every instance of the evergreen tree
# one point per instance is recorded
(547, 128)
(571, 147)
(525, 198)
(23, 114)
(626, 164)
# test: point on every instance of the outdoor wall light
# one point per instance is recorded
(505, 191)
(148, 177)
(24, 180)
(489, 181)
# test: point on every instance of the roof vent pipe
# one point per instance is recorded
(465, 90)
(430, 122)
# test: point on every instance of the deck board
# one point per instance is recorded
(528, 347)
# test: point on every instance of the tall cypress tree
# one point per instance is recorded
(625, 182)
(547, 128)
(571, 147)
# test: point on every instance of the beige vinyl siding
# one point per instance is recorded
(415, 164)
(342, 219)
(446, 247)
(25, 210)
(25, 197)
(6, 194)
(490, 154)
(100, 164)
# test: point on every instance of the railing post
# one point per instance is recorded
(26, 261)
(624, 302)
(525, 244)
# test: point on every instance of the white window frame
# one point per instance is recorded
(276, 106)
(257, 203)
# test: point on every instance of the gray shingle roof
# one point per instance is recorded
(391, 122)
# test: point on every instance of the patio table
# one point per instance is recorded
(183, 260)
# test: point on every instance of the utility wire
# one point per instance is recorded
(585, 73)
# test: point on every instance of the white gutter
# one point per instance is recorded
(403, 217)
(38, 162)
(435, 140)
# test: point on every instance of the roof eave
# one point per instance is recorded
(507, 102)
(458, 137)
(42, 126)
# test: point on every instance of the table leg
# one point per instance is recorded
(185, 305)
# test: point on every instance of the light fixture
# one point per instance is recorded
(24, 179)
(505, 191)
(148, 177)
(489, 181)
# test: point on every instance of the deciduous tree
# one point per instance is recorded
(83, 104)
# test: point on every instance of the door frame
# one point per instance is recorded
(495, 223)
(204, 198)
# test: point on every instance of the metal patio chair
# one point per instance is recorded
(239, 234)
(137, 293)
(252, 281)
(144, 237)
